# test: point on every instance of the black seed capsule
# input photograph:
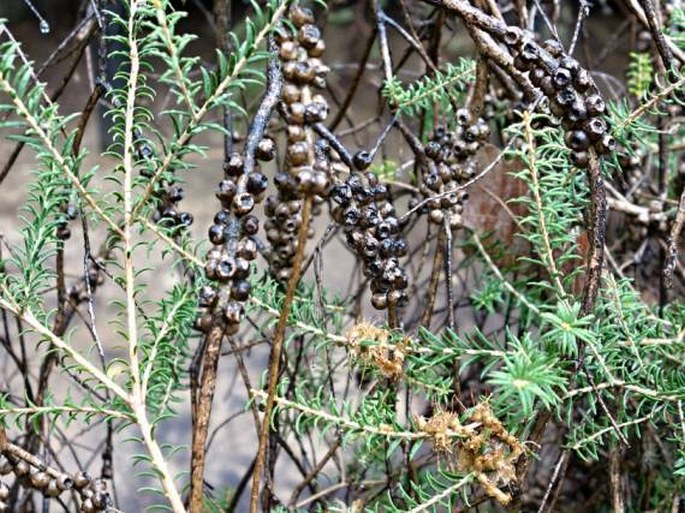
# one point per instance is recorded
(362, 160)
(351, 217)
(536, 75)
(207, 296)
(341, 194)
(184, 219)
(530, 51)
(242, 268)
(257, 183)
(577, 140)
(266, 149)
(222, 217)
(176, 194)
(240, 290)
(216, 234)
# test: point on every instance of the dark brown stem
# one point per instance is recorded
(276, 348)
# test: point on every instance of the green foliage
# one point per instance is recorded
(443, 89)
(640, 74)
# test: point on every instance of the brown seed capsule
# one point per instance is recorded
(547, 86)
(321, 183)
(522, 64)
(595, 105)
(4, 491)
(291, 93)
(296, 113)
(296, 133)
(39, 479)
(207, 296)
(319, 82)
(580, 158)
(304, 72)
(243, 204)
(288, 68)
(436, 216)
(233, 312)
(22, 468)
(379, 301)
(247, 248)
(82, 479)
(606, 144)
(234, 165)
(288, 50)
(309, 35)
(5, 465)
(512, 35)
(595, 128)
(250, 225)
(553, 47)
(266, 149)
(242, 269)
(300, 16)
(87, 506)
(226, 191)
(304, 179)
(298, 153)
(318, 49)
(582, 81)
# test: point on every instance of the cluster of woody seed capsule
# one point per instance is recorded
(450, 165)
(306, 173)
(373, 231)
(93, 492)
(573, 95)
(233, 236)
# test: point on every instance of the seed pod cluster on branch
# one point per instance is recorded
(374, 232)
(306, 171)
(233, 235)
(167, 195)
(572, 94)
(93, 492)
(449, 157)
